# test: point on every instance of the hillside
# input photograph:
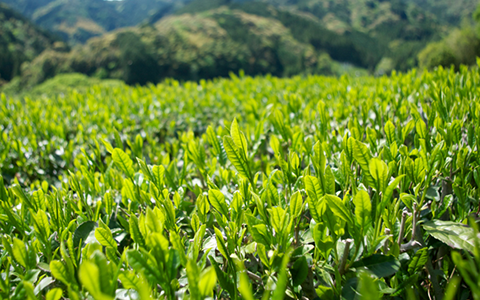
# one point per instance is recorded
(20, 41)
(452, 12)
(192, 40)
(368, 14)
(186, 47)
(79, 20)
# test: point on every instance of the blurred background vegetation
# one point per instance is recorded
(142, 41)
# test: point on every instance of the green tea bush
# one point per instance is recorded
(248, 187)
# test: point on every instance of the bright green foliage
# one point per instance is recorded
(253, 188)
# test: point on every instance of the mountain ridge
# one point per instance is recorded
(191, 40)
(362, 15)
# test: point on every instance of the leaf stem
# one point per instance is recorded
(346, 252)
(402, 228)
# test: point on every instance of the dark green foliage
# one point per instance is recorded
(186, 47)
(79, 20)
(9, 64)
(211, 38)
(436, 54)
(138, 63)
(351, 46)
(459, 47)
(20, 41)
(404, 54)
(453, 12)
(196, 6)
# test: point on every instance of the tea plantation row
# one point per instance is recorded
(301, 188)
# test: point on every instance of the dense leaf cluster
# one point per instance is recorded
(244, 187)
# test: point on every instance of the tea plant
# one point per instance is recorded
(300, 188)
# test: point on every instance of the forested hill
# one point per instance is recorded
(78, 20)
(451, 12)
(20, 41)
(368, 13)
(142, 41)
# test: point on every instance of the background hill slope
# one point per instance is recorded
(79, 20)
(20, 41)
(142, 41)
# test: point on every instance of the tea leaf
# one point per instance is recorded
(59, 271)
(378, 265)
(336, 205)
(237, 160)
(455, 235)
(123, 162)
(54, 294)
(418, 261)
(20, 252)
(104, 237)
(208, 280)
(363, 209)
(367, 288)
(217, 199)
(296, 204)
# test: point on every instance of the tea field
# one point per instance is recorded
(244, 188)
